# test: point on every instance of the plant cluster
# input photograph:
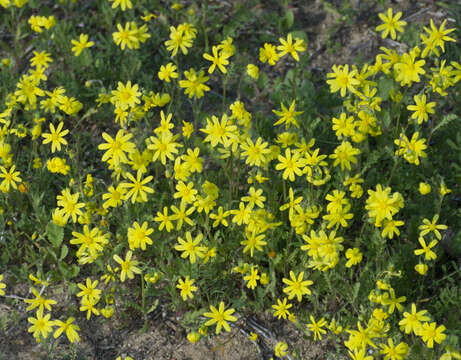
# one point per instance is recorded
(218, 180)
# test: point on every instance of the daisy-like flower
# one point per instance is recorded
(391, 24)
(281, 308)
(164, 146)
(255, 153)
(190, 248)
(268, 54)
(41, 325)
(168, 71)
(218, 59)
(421, 108)
(342, 80)
(252, 278)
(81, 44)
(116, 148)
(126, 95)
(187, 288)
(394, 352)
(290, 164)
(138, 236)
(220, 316)
(124, 4)
(69, 328)
(317, 327)
(426, 249)
(55, 137)
(288, 116)
(139, 190)
(10, 178)
(297, 286)
(344, 155)
(412, 149)
(195, 83)
(432, 226)
(41, 59)
(128, 266)
(288, 47)
(431, 333)
(436, 38)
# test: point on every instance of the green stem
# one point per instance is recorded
(143, 303)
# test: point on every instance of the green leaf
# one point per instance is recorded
(64, 252)
(445, 121)
(385, 85)
(55, 234)
(289, 19)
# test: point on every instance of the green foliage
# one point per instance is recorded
(348, 217)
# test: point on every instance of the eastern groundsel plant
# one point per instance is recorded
(149, 158)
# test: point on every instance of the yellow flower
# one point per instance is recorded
(124, 4)
(116, 148)
(354, 255)
(436, 38)
(167, 72)
(287, 47)
(317, 327)
(253, 241)
(408, 69)
(125, 37)
(281, 349)
(421, 269)
(193, 337)
(291, 165)
(430, 333)
(392, 352)
(139, 190)
(128, 266)
(41, 59)
(81, 44)
(444, 190)
(220, 316)
(297, 286)
(288, 116)
(195, 83)
(126, 95)
(342, 80)
(70, 329)
(218, 59)
(2, 286)
(426, 249)
(179, 39)
(432, 226)
(41, 326)
(253, 71)
(164, 146)
(391, 24)
(39, 302)
(344, 155)
(138, 236)
(281, 309)
(268, 54)
(55, 137)
(190, 248)
(252, 278)
(10, 178)
(187, 288)
(187, 129)
(421, 108)
(424, 188)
